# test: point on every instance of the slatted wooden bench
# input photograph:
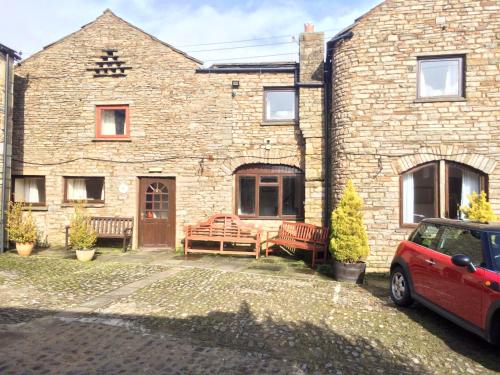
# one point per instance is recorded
(110, 227)
(301, 236)
(224, 229)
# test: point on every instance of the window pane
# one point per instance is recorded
(494, 243)
(419, 194)
(462, 182)
(280, 105)
(291, 195)
(268, 201)
(424, 235)
(85, 189)
(440, 77)
(95, 188)
(462, 241)
(247, 195)
(29, 189)
(269, 179)
(113, 121)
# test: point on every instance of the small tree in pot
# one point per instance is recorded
(82, 236)
(478, 209)
(348, 239)
(21, 228)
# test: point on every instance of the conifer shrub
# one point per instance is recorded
(478, 209)
(348, 238)
(81, 233)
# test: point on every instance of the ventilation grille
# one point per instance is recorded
(109, 65)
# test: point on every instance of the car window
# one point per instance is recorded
(425, 234)
(494, 242)
(462, 241)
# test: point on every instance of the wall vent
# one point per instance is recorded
(109, 65)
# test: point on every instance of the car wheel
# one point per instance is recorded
(400, 287)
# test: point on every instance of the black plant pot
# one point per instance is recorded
(350, 272)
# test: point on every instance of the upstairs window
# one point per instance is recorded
(84, 189)
(29, 189)
(269, 191)
(112, 121)
(279, 104)
(441, 77)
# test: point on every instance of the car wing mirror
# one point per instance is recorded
(463, 260)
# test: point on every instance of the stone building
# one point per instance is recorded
(134, 127)
(414, 113)
(7, 58)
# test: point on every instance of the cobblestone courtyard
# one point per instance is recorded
(157, 312)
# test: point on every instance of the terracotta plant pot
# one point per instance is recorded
(24, 249)
(85, 255)
(350, 272)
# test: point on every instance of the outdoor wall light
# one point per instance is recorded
(235, 84)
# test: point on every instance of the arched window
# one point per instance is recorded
(425, 194)
(269, 191)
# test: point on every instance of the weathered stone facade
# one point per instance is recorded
(379, 129)
(188, 125)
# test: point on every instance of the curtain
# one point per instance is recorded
(108, 126)
(470, 183)
(26, 190)
(439, 78)
(77, 189)
(408, 198)
(451, 82)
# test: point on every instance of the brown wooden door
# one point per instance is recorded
(157, 212)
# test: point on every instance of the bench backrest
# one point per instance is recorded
(111, 225)
(223, 225)
(303, 232)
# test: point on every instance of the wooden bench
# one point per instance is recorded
(110, 227)
(224, 229)
(301, 236)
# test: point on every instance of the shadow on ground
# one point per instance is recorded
(455, 337)
(98, 342)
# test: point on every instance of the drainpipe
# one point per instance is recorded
(5, 146)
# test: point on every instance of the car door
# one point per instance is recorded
(455, 288)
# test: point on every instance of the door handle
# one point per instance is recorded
(430, 261)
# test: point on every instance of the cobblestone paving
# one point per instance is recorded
(214, 320)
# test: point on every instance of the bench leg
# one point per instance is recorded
(66, 240)
(314, 259)
(325, 254)
(267, 244)
(186, 244)
(124, 244)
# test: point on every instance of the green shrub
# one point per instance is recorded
(348, 238)
(81, 233)
(21, 226)
(479, 209)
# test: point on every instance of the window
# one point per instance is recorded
(441, 77)
(425, 235)
(84, 189)
(112, 121)
(269, 191)
(422, 191)
(29, 189)
(462, 241)
(279, 105)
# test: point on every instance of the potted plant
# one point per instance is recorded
(82, 236)
(21, 228)
(478, 209)
(348, 238)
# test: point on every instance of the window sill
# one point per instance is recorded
(86, 205)
(440, 99)
(267, 218)
(408, 226)
(111, 140)
(279, 123)
(35, 208)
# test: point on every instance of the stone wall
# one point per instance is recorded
(186, 123)
(379, 129)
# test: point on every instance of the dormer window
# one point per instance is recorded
(112, 121)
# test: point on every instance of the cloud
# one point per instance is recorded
(32, 24)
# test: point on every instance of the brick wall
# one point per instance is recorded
(378, 128)
(190, 120)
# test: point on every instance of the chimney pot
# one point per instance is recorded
(308, 27)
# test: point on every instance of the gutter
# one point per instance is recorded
(327, 77)
(4, 156)
(247, 70)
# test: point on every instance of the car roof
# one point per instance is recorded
(464, 224)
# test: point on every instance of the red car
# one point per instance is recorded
(453, 268)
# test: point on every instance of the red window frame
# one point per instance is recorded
(98, 111)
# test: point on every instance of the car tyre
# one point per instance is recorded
(399, 287)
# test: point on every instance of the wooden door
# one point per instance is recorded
(157, 212)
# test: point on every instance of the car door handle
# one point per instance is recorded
(430, 261)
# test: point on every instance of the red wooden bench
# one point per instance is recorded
(110, 227)
(301, 236)
(224, 229)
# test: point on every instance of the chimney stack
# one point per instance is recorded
(311, 54)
